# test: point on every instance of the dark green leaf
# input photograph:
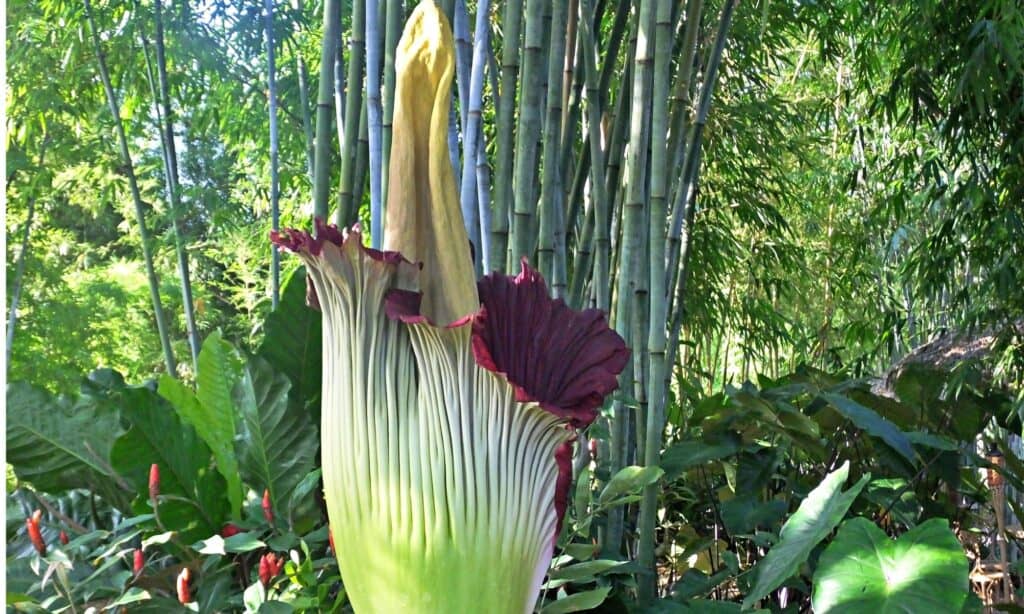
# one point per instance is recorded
(876, 426)
(291, 343)
(277, 443)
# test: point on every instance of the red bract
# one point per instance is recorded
(229, 530)
(330, 539)
(268, 511)
(138, 562)
(64, 538)
(184, 593)
(34, 534)
(154, 481)
(270, 567)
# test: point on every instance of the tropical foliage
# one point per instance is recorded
(804, 219)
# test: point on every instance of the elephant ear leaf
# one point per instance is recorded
(277, 441)
(863, 571)
(58, 443)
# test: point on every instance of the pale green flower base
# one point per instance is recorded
(439, 485)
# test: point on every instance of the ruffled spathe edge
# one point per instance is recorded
(310, 246)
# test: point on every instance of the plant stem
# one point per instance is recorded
(503, 185)
(275, 262)
(140, 216)
(171, 168)
(325, 94)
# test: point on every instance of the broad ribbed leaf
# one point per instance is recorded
(291, 343)
(863, 571)
(277, 443)
(210, 409)
(875, 425)
(157, 435)
(817, 515)
(57, 444)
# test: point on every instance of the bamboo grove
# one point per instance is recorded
(742, 187)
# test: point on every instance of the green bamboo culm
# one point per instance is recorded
(307, 122)
(656, 341)
(684, 204)
(133, 185)
(325, 98)
(527, 133)
(503, 184)
(174, 193)
(275, 256)
(354, 113)
(619, 272)
(393, 20)
(551, 185)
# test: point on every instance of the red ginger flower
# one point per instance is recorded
(268, 510)
(270, 566)
(154, 481)
(34, 534)
(229, 530)
(138, 561)
(64, 538)
(184, 593)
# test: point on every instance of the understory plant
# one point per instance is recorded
(448, 406)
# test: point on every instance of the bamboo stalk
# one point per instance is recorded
(483, 191)
(339, 97)
(374, 112)
(140, 216)
(551, 184)
(683, 207)
(307, 121)
(275, 257)
(322, 159)
(503, 184)
(624, 270)
(526, 135)
(473, 131)
(361, 166)
(348, 206)
(392, 31)
(681, 102)
(171, 168)
(463, 60)
(663, 39)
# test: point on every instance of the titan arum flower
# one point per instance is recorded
(448, 406)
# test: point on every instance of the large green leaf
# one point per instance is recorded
(157, 435)
(291, 343)
(210, 409)
(875, 425)
(686, 454)
(817, 515)
(862, 570)
(277, 443)
(56, 443)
